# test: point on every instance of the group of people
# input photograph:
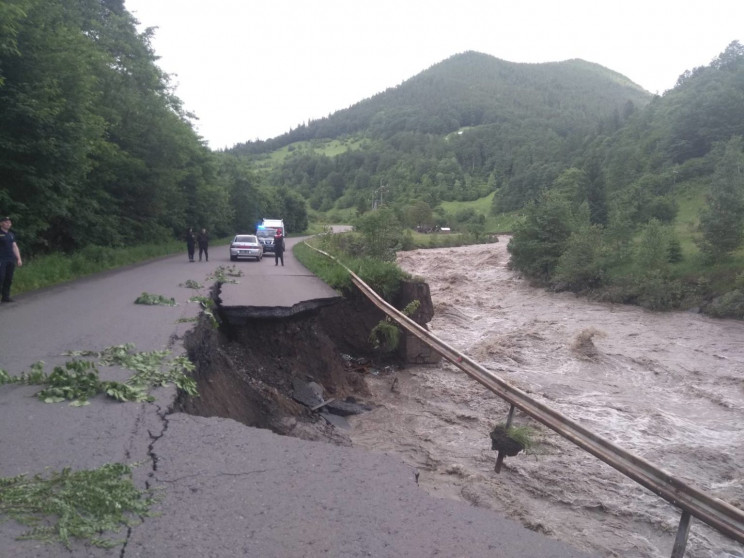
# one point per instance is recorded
(202, 240)
(10, 258)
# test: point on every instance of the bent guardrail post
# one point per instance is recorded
(680, 542)
(500, 456)
(724, 517)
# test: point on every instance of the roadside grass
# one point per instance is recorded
(383, 277)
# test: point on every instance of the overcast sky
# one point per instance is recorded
(254, 69)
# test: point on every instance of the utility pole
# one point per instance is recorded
(381, 189)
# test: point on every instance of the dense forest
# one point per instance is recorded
(652, 213)
(94, 146)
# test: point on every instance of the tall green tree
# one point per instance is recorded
(581, 264)
(595, 193)
(48, 123)
(541, 237)
(381, 232)
(722, 221)
(94, 147)
(420, 214)
(652, 252)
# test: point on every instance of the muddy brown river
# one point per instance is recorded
(668, 387)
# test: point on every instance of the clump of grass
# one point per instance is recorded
(223, 274)
(385, 336)
(583, 346)
(191, 284)
(512, 440)
(204, 301)
(412, 307)
(52, 269)
(150, 368)
(383, 276)
(155, 300)
(75, 504)
(523, 435)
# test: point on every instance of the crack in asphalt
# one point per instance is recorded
(153, 457)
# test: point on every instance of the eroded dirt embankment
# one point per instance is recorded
(248, 372)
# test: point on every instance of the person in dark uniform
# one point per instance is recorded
(190, 243)
(203, 240)
(10, 257)
(278, 248)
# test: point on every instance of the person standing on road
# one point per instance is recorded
(203, 239)
(278, 248)
(190, 243)
(10, 257)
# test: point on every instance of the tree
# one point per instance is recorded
(722, 221)
(652, 255)
(420, 214)
(294, 211)
(580, 265)
(246, 198)
(381, 232)
(594, 192)
(94, 148)
(571, 184)
(540, 239)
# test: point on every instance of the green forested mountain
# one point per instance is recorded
(457, 131)
(474, 89)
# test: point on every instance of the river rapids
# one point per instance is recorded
(668, 387)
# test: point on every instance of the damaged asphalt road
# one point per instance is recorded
(225, 489)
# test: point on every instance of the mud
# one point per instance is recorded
(667, 387)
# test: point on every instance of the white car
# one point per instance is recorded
(246, 246)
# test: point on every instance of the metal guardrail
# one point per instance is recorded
(724, 517)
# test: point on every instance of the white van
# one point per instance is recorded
(276, 224)
(266, 231)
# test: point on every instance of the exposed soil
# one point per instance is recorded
(247, 373)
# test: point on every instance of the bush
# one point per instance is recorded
(385, 336)
(658, 292)
(729, 305)
(579, 267)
